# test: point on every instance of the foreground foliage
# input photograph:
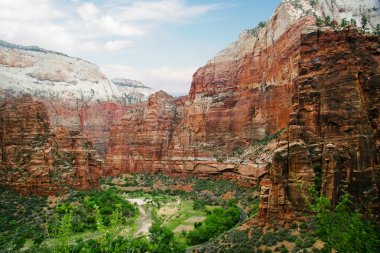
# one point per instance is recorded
(343, 229)
(20, 219)
(109, 239)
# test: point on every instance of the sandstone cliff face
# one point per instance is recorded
(232, 103)
(318, 88)
(77, 94)
(333, 137)
(36, 158)
(139, 143)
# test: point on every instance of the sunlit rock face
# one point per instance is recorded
(277, 80)
(38, 158)
(75, 99)
(76, 93)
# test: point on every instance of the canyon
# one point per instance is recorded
(287, 106)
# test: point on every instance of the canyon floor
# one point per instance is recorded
(37, 224)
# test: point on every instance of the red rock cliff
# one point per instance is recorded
(36, 158)
(232, 103)
(319, 86)
(333, 137)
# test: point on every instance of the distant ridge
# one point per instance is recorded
(6, 44)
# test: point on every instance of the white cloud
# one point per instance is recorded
(177, 81)
(111, 45)
(115, 45)
(87, 11)
(112, 26)
(161, 11)
(74, 25)
(96, 22)
(35, 22)
(26, 10)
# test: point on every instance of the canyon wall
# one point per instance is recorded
(234, 101)
(38, 158)
(286, 106)
(302, 111)
(333, 137)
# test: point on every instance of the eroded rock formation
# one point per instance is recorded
(318, 87)
(36, 158)
(286, 106)
(333, 136)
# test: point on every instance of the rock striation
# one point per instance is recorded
(38, 158)
(287, 105)
(333, 136)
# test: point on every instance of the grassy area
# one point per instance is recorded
(185, 211)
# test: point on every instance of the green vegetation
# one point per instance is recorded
(344, 22)
(20, 219)
(318, 21)
(185, 211)
(364, 21)
(218, 221)
(83, 207)
(327, 21)
(342, 228)
(353, 22)
(206, 213)
(313, 2)
(299, 237)
(255, 31)
(110, 240)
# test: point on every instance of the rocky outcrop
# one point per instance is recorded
(280, 81)
(333, 138)
(37, 158)
(140, 142)
(232, 103)
(77, 94)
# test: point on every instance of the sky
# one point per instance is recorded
(158, 42)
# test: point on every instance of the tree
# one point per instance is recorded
(327, 21)
(342, 228)
(318, 21)
(344, 22)
(353, 22)
(364, 22)
(162, 240)
(378, 29)
(64, 233)
(313, 2)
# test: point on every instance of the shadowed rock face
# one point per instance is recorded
(334, 129)
(36, 158)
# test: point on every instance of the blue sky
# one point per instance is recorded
(158, 42)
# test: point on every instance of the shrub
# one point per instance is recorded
(364, 21)
(344, 22)
(342, 228)
(217, 222)
(313, 2)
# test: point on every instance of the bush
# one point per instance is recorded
(217, 222)
(343, 229)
